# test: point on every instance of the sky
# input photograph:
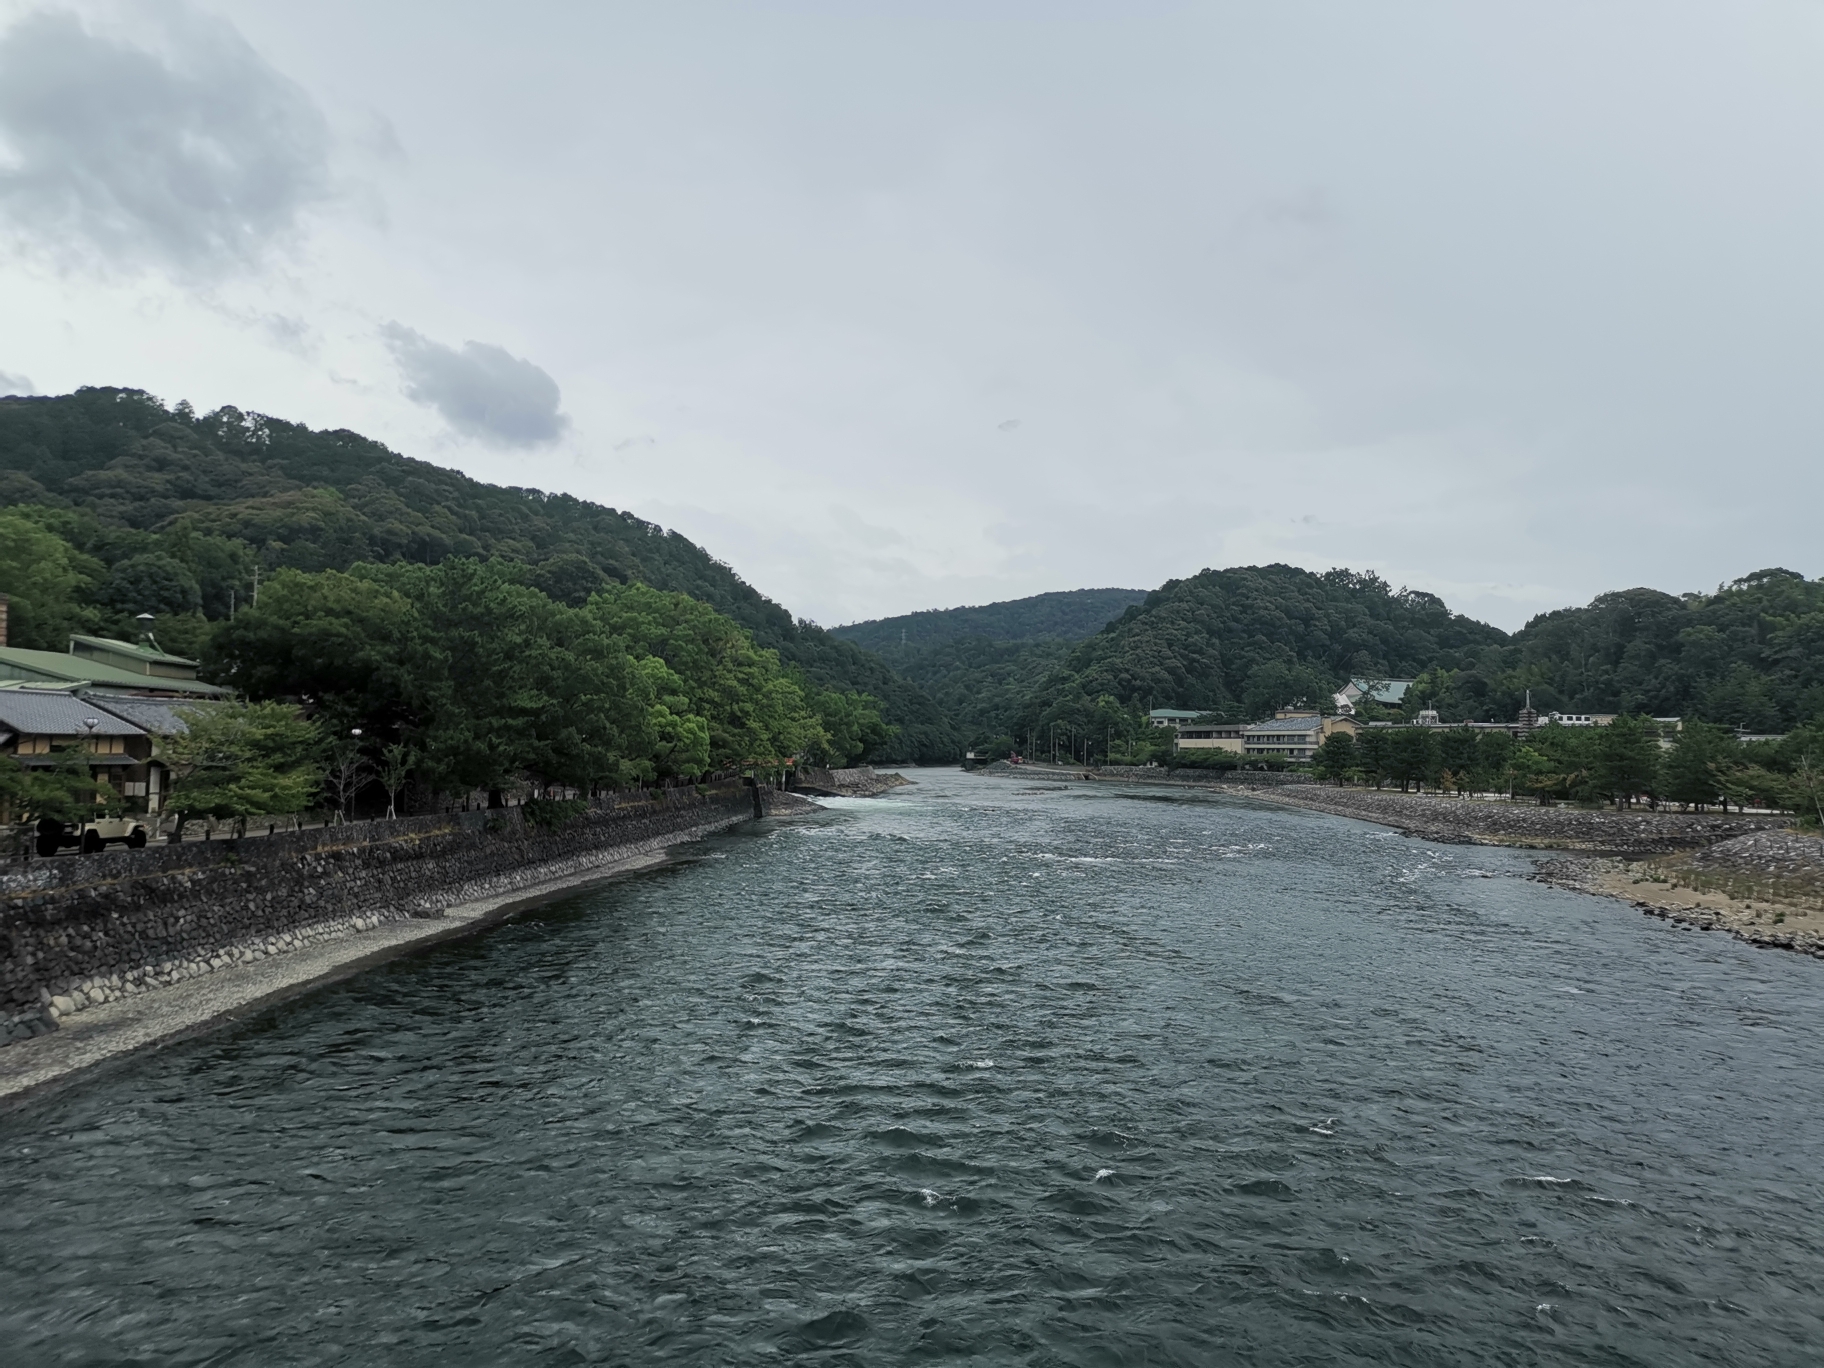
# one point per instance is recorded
(904, 306)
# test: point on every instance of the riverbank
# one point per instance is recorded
(107, 1016)
(855, 781)
(1766, 888)
(1634, 833)
(112, 1030)
(1747, 874)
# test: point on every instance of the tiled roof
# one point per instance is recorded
(1287, 724)
(1172, 712)
(156, 715)
(41, 712)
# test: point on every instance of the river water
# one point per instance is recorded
(985, 1069)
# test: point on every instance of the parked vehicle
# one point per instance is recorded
(92, 835)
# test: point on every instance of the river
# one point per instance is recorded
(985, 1069)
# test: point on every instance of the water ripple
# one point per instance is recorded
(1061, 1076)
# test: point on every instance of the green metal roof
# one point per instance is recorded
(1391, 690)
(131, 648)
(58, 668)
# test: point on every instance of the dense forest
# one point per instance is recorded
(1238, 643)
(981, 663)
(1751, 656)
(162, 504)
(1065, 615)
(112, 504)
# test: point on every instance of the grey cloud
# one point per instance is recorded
(482, 391)
(188, 152)
(11, 384)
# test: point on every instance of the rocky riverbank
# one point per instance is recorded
(857, 781)
(1766, 888)
(1636, 833)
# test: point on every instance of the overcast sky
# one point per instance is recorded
(900, 306)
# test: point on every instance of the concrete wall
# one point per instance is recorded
(86, 929)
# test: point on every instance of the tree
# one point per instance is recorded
(394, 769)
(1494, 753)
(755, 711)
(1336, 758)
(346, 774)
(46, 580)
(1412, 756)
(1808, 789)
(1459, 757)
(151, 583)
(243, 760)
(1374, 754)
(1626, 760)
(64, 791)
(1698, 758)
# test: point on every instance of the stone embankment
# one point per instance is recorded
(80, 931)
(857, 781)
(1142, 774)
(1636, 833)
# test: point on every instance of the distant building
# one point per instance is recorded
(107, 664)
(1294, 734)
(1389, 693)
(35, 724)
(1581, 719)
(1172, 717)
(1222, 736)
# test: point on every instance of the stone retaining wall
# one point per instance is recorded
(1145, 774)
(83, 930)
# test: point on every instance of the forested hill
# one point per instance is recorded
(225, 489)
(1244, 641)
(1069, 615)
(981, 663)
(1750, 655)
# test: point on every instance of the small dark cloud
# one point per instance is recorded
(11, 384)
(482, 391)
(190, 152)
(1009, 425)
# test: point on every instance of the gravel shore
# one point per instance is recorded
(1636, 833)
(1748, 875)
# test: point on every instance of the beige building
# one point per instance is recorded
(1292, 734)
(1218, 736)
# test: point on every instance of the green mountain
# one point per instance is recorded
(1068, 615)
(1246, 640)
(222, 493)
(981, 663)
(1750, 655)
